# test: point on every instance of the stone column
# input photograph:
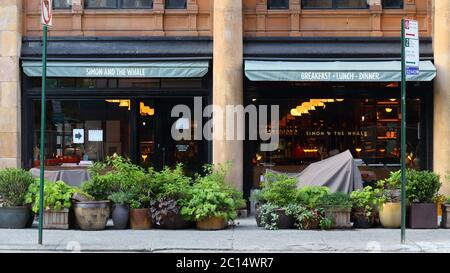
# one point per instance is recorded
(10, 44)
(228, 78)
(441, 138)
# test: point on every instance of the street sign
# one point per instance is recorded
(46, 12)
(412, 56)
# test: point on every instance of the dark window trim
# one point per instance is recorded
(333, 7)
(172, 8)
(286, 6)
(119, 6)
(402, 5)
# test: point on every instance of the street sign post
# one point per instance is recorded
(47, 20)
(410, 66)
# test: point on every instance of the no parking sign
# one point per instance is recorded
(46, 12)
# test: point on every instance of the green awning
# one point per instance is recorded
(338, 71)
(151, 69)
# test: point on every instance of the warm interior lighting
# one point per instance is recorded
(339, 100)
(146, 110)
(310, 150)
(295, 113)
(393, 100)
(358, 150)
(388, 110)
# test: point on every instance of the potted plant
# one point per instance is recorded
(278, 190)
(14, 210)
(337, 208)
(421, 189)
(120, 209)
(142, 196)
(172, 189)
(306, 211)
(213, 201)
(445, 222)
(388, 195)
(256, 198)
(364, 211)
(57, 202)
(308, 218)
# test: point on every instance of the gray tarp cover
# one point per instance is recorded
(338, 172)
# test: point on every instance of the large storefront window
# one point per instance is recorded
(315, 129)
(175, 4)
(62, 4)
(278, 4)
(82, 130)
(392, 4)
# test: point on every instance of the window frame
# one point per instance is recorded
(119, 5)
(402, 5)
(278, 8)
(59, 8)
(175, 8)
(333, 4)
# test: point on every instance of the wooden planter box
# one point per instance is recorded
(56, 219)
(339, 216)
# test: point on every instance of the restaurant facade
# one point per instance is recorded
(117, 68)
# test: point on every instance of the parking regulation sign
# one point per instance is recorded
(46, 12)
(412, 55)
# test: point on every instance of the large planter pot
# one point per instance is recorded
(92, 215)
(445, 223)
(284, 221)
(391, 215)
(422, 216)
(56, 219)
(15, 217)
(140, 219)
(120, 216)
(340, 217)
(212, 223)
(360, 219)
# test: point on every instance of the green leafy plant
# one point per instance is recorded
(365, 200)
(57, 195)
(422, 186)
(448, 200)
(256, 196)
(335, 200)
(269, 218)
(14, 184)
(388, 190)
(116, 174)
(212, 196)
(120, 197)
(172, 184)
(279, 189)
(309, 196)
(307, 218)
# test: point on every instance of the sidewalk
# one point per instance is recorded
(245, 237)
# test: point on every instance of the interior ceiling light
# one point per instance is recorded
(340, 100)
(388, 110)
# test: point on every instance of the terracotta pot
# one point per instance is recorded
(422, 216)
(391, 215)
(92, 215)
(140, 219)
(445, 223)
(212, 223)
(340, 217)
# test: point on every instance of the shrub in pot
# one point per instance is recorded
(388, 194)
(142, 197)
(213, 201)
(278, 190)
(421, 189)
(15, 212)
(337, 208)
(364, 211)
(172, 189)
(120, 209)
(445, 222)
(308, 218)
(57, 202)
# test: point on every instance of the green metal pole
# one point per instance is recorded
(42, 145)
(403, 135)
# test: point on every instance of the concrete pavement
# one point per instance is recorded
(245, 237)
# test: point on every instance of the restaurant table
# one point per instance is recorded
(73, 176)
